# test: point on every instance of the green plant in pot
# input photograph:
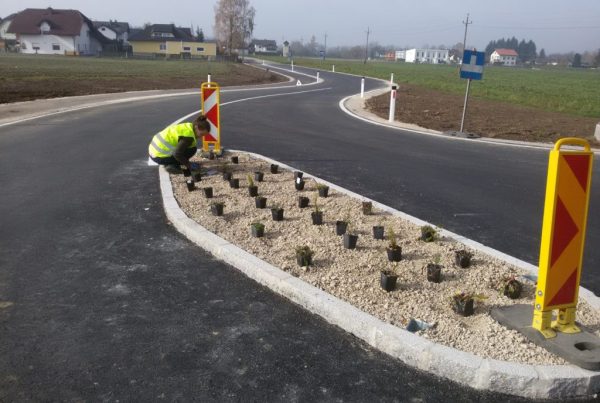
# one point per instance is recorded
(257, 229)
(428, 233)
(277, 212)
(434, 270)
(463, 302)
(463, 258)
(252, 188)
(323, 189)
(304, 256)
(511, 287)
(367, 207)
(317, 214)
(394, 251)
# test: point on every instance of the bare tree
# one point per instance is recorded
(234, 24)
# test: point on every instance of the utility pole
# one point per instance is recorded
(367, 47)
(325, 50)
(467, 22)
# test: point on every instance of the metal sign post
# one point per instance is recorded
(470, 69)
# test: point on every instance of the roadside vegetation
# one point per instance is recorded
(28, 77)
(554, 89)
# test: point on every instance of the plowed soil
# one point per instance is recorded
(439, 111)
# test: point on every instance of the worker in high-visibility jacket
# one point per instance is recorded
(176, 144)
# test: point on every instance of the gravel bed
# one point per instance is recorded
(354, 275)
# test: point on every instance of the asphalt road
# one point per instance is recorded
(111, 304)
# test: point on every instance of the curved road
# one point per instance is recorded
(110, 303)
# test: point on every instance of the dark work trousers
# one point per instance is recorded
(189, 153)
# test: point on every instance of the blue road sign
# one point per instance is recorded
(472, 65)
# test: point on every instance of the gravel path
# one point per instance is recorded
(354, 275)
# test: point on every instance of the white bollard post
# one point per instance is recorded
(597, 132)
(392, 79)
(263, 62)
(362, 87)
(333, 68)
(317, 76)
(392, 104)
(209, 78)
(292, 65)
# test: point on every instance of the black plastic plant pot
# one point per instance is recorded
(298, 174)
(350, 241)
(211, 155)
(234, 183)
(208, 192)
(427, 234)
(394, 254)
(317, 217)
(257, 232)
(299, 184)
(277, 214)
(216, 209)
(463, 307)
(303, 260)
(367, 208)
(190, 185)
(235, 159)
(324, 191)
(186, 172)
(274, 168)
(261, 202)
(258, 176)
(197, 177)
(513, 289)
(303, 201)
(462, 258)
(378, 232)
(388, 281)
(340, 227)
(253, 191)
(227, 176)
(434, 273)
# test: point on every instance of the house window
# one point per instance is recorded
(55, 46)
(163, 46)
(186, 48)
(200, 49)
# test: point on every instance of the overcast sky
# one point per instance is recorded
(555, 25)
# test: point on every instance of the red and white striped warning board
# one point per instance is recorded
(210, 99)
(563, 234)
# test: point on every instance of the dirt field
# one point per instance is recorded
(27, 86)
(439, 111)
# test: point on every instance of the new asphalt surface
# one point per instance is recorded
(109, 303)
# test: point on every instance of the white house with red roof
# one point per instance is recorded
(506, 57)
(50, 31)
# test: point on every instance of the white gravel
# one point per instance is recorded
(353, 275)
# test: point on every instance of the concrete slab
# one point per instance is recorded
(581, 349)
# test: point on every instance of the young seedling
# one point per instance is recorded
(428, 233)
(462, 302)
(304, 256)
(511, 287)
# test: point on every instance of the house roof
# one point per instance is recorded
(150, 33)
(61, 22)
(118, 27)
(506, 52)
(264, 42)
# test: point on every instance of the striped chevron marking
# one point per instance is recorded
(211, 110)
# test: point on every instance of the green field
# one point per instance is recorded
(571, 91)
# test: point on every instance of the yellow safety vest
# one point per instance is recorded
(164, 143)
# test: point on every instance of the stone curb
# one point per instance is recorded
(532, 381)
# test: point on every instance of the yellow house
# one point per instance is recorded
(169, 41)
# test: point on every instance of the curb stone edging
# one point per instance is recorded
(532, 381)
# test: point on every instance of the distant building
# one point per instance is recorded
(263, 47)
(168, 40)
(4, 24)
(113, 30)
(433, 56)
(506, 57)
(50, 31)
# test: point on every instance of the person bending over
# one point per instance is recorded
(176, 144)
